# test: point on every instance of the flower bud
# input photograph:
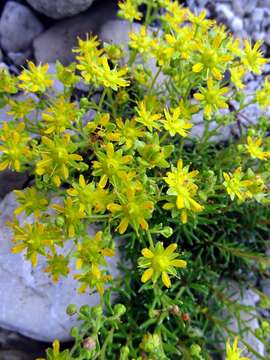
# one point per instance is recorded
(71, 309)
(167, 231)
(97, 311)
(174, 310)
(89, 343)
(195, 350)
(119, 310)
(60, 221)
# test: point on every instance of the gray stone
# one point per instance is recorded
(58, 41)
(237, 25)
(225, 10)
(58, 9)
(1, 55)
(266, 286)
(31, 303)
(267, 37)
(258, 15)
(18, 27)
(19, 58)
(11, 180)
(242, 7)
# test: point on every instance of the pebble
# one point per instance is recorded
(18, 27)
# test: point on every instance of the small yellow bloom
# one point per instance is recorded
(252, 57)
(232, 352)
(254, 148)
(36, 78)
(174, 123)
(160, 262)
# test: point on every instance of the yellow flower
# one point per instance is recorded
(237, 75)
(59, 116)
(160, 262)
(181, 185)
(142, 41)
(14, 146)
(235, 186)
(129, 10)
(263, 95)
(20, 109)
(135, 208)
(71, 215)
(211, 59)
(252, 58)
(254, 148)
(212, 98)
(146, 117)
(110, 164)
(57, 158)
(232, 352)
(174, 123)
(36, 79)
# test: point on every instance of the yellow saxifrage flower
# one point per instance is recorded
(263, 95)
(146, 117)
(174, 123)
(181, 185)
(254, 148)
(232, 352)
(36, 79)
(160, 262)
(110, 164)
(212, 98)
(235, 186)
(134, 210)
(129, 10)
(14, 146)
(252, 57)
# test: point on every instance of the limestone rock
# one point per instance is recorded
(58, 41)
(58, 9)
(18, 27)
(31, 303)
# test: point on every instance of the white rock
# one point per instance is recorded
(58, 41)
(58, 9)
(225, 10)
(237, 25)
(31, 303)
(18, 27)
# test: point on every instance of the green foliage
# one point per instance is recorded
(136, 172)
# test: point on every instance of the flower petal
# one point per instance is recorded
(147, 275)
(166, 280)
(147, 253)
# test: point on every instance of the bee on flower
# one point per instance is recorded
(160, 262)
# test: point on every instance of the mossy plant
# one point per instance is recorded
(187, 213)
